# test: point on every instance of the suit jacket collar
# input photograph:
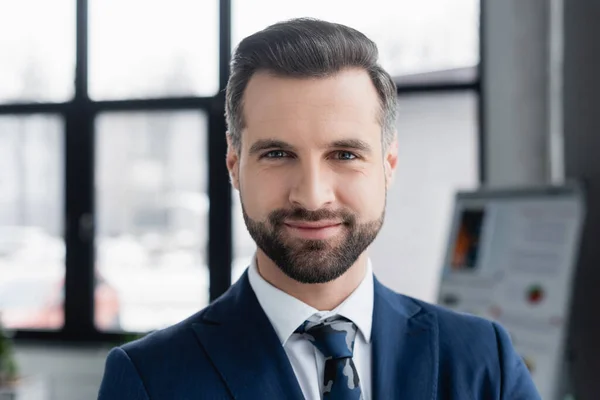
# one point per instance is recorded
(405, 348)
(240, 341)
(242, 344)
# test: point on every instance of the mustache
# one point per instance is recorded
(277, 217)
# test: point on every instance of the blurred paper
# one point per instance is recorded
(511, 258)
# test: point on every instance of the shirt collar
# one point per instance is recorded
(287, 313)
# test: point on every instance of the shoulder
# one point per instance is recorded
(162, 365)
(448, 322)
(472, 353)
(180, 340)
(457, 326)
(172, 342)
(480, 351)
(460, 336)
(164, 360)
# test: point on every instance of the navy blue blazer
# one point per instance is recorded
(230, 350)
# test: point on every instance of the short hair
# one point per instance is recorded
(306, 48)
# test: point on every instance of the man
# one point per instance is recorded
(312, 151)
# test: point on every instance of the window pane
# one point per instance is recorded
(32, 248)
(37, 51)
(437, 155)
(144, 49)
(412, 36)
(152, 219)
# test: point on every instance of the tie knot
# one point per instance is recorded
(334, 337)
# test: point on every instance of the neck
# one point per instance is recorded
(322, 296)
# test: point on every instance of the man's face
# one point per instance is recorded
(311, 171)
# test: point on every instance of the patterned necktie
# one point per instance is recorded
(334, 338)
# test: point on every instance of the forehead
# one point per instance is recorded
(339, 105)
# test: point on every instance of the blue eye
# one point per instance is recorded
(345, 156)
(276, 154)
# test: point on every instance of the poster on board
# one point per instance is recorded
(510, 258)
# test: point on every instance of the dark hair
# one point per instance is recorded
(306, 48)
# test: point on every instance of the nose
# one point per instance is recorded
(311, 188)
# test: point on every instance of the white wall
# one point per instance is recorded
(437, 155)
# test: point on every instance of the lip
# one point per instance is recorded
(312, 225)
(314, 230)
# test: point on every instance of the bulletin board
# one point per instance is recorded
(511, 258)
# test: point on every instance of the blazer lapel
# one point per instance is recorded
(242, 344)
(405, 350)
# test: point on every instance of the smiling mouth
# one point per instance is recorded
(313, 230)
(312, 225)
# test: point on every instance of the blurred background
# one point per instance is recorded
(116, 214)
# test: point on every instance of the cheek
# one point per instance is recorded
(364, 194)
(261, 194)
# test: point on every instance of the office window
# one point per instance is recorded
(437, 155)
(32, 248)
(37, 50)
(412, 36)
(151, 219)
(147, 49)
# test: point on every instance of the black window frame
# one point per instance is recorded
(79, 115)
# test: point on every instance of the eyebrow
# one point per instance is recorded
(266, 144)
(354, 144)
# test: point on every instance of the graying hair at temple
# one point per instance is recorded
(307, 48)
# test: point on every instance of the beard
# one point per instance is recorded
(315, 260)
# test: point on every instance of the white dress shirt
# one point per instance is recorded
(287, 313)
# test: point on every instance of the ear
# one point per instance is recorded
(390, 161)
(233, 163)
